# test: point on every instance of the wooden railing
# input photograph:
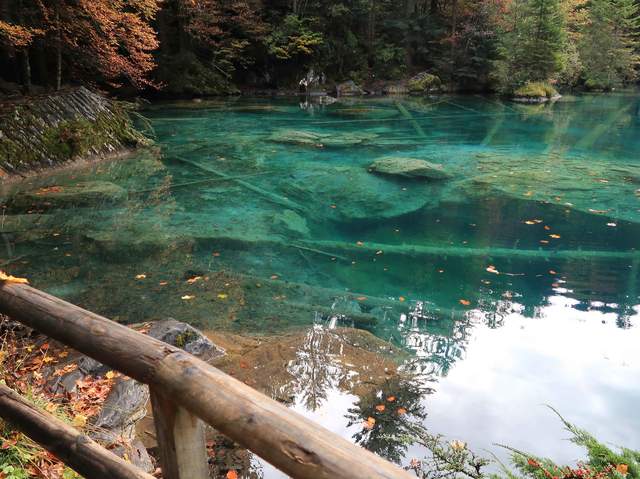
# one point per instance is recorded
(184, 392)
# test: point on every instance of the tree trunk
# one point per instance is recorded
(161, 26)
(433, 7)
(41, 62)
(453, 26)
(26, 71)
(58, 53)
(407, 42)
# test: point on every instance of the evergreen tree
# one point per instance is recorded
(608, 41)
(531, 41)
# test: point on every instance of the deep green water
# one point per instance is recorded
(521, 291)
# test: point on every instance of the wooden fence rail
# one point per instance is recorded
(183, 386)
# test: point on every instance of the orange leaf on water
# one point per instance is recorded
(555, 236)
(362, 298)
(526, 194)
(381, 407)
(401, 298)
(273, 277)
(390, 398)
(12, 279)
(232, 475)
(359, 242)
(401, 411)
(552, 272)
(465, 302)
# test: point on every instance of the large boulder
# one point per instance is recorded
(423, 82)
(310, 138)
(291, 224)
(185, 336)
(347, 89)
(410, 167)
(343, 193)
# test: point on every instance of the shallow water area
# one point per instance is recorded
(502, 275)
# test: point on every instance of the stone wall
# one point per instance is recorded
(69, 126)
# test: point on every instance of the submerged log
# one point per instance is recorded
(416, 250)
(413, 122)
(82, 454)
(265, 194)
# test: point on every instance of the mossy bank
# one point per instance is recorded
(70, 126)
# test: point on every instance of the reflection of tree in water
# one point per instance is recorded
(407, 392)
(316, 369)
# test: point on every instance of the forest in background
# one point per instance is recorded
(207, 47)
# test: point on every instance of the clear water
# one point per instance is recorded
(513, 282)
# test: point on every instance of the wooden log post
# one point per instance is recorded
(181, 442)
(75, 449)
(296, 445)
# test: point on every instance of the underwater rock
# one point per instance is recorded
(185, 336)
(346, 359)
(291, 224)
(20, 223)
(134, 243)
(411, 167)
(89, 193)
(342, 193)
(298, 137)
(310, 138)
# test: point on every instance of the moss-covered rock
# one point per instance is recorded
(347, 89)
(536, 90)
(63, 127)
(423, 82)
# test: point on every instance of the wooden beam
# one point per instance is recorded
(296, 445)
(75, 449)
(181, 442)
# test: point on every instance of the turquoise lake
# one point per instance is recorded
(509, 275)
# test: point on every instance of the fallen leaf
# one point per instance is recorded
(209, 444)
(371, 420)
(110, 375)
(401, 298)
(222, 296)
(80, 420)
(44, 346)
(526, 194)
(193, 280)
(367, 425)
(244, 365)
(552, 272)
(391, 398)
(555, 236)
(51, 407)
(188, 297)
(381, 407)
(465, 302)
(140, 276)
(162, 284)
(232, 475)
(362, 298)
(359, 242)
(12, 279)
(622, 468)
(401, 411)
(273, 277)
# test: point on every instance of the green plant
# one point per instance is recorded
(535, 89)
